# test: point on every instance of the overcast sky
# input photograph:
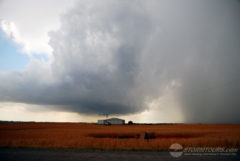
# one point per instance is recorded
(146, 61)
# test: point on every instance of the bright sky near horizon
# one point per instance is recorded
(146, 61)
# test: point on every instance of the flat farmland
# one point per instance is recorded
(117, 137)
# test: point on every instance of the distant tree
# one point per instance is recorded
(130, 122)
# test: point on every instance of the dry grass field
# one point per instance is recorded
(117, 137)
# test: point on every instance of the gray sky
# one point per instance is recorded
(127, 57)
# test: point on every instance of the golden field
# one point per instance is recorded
(117, 137)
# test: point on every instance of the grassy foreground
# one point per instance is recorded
(117, 137)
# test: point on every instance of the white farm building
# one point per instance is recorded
(112, 121)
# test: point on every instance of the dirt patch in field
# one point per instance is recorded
(144, 135)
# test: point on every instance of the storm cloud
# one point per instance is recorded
(113, 57)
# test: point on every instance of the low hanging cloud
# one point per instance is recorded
(114, 57)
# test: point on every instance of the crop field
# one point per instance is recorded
(117, 137)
